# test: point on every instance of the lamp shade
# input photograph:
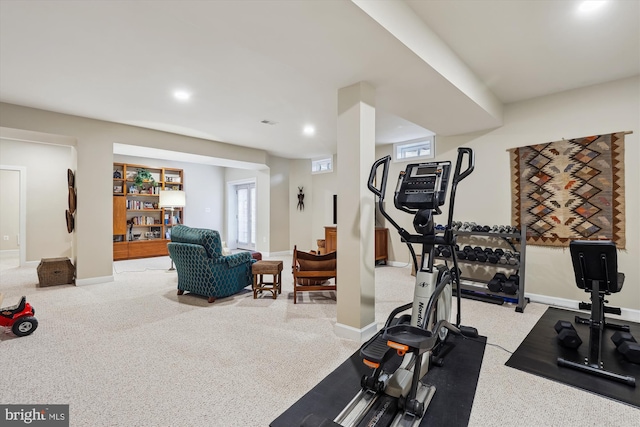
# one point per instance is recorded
(172, 199)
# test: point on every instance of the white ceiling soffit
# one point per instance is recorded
(157, 153)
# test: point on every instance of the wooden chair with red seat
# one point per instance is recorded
(313, 272)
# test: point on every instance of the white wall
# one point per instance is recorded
(279, 204)
(307, 225)
(9, 209)
(47, 196)
(485, 197)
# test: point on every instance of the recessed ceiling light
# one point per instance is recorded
(181, 95)
(591, 5)
(309, 130)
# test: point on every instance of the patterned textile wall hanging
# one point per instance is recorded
(570, 190)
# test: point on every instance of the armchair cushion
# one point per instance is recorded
(209, 239)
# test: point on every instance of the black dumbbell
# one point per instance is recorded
(498, 252)
(511, 285)
(495, 284)
(567, 335)
(485, 229)
(480, 255)
(488, 251)
(627, 346)
(470, 254)
(493, 258)
(461, 255)
(445, 251)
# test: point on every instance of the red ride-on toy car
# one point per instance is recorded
(19, 318)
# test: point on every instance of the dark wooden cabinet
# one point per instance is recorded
(381, 240)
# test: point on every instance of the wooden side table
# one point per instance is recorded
(261, 268)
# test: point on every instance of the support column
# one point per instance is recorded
(356, 154)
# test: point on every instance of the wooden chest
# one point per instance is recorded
(56, 271)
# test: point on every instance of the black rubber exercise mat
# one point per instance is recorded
(455, 388)
(540, 349)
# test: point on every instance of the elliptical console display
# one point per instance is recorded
(422, 186)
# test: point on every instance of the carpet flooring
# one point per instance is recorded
(539, 351)
(133, 353)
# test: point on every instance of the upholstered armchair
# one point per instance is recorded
(201, 267)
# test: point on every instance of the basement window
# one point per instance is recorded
(324, 165)
(417, 149)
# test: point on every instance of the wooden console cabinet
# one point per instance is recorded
(381, 239)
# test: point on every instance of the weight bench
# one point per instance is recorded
(595, 265)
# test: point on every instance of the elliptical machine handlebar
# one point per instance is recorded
(383, 182)
(457, 176)
(380, 192)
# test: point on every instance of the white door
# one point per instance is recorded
(246, 208)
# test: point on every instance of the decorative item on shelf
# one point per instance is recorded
(117, 188)
(117, 174)
(144, 176)
(172, 199)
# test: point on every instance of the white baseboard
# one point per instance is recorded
(398, 264)
(279, 253)
(94, 280)
(629, 314)
(10, 252)
(31, 264)
(355, 334)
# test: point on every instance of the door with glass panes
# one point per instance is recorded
(246, 209)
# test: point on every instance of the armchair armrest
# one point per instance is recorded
(234, 260)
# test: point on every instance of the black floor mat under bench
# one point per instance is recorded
(455, 385)
(539, 351)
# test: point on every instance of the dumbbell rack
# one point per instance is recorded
(476, 288)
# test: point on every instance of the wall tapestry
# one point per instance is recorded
(570, 190)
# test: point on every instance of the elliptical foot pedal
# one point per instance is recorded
(374, 351)
(468, 331)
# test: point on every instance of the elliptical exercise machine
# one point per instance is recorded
(400, 398)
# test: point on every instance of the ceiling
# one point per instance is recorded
(437, 66)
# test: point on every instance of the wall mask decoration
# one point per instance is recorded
(300, 198)
(71, 199)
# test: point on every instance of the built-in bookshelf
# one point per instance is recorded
(141, 228)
